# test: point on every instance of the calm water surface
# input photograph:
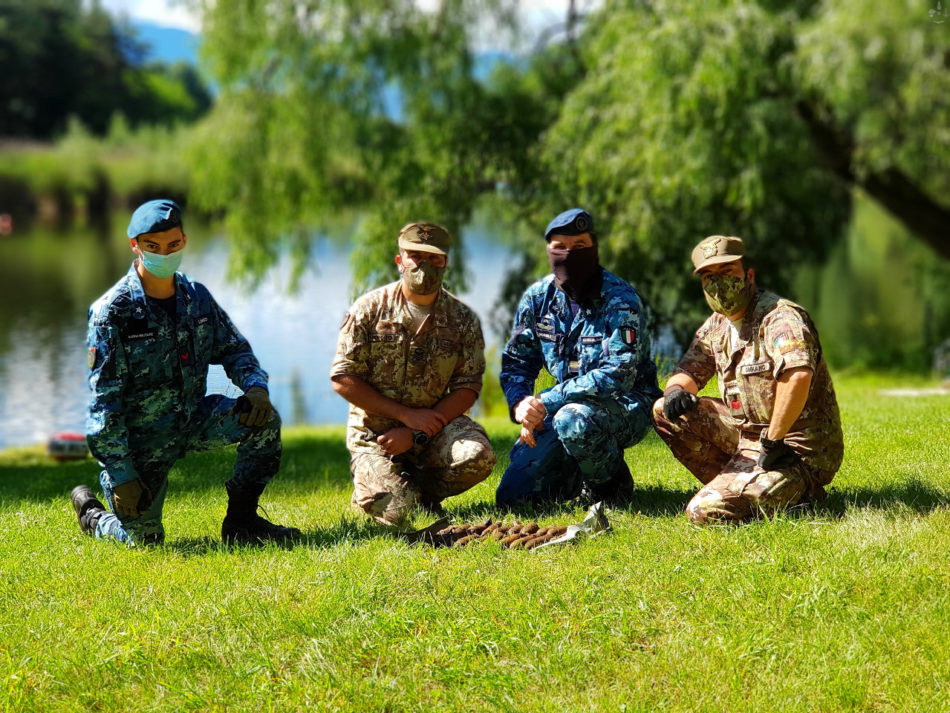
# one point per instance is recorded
(48, 280)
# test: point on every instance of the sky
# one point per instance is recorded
(175, 13)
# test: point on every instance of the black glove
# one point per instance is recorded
(775, 455)
(131, 499)
(254, 406)
(678, 401)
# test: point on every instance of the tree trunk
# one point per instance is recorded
(892, 188)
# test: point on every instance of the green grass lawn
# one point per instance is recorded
(845, 606)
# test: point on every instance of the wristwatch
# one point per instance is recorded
(419, 438)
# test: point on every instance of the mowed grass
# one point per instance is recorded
(843, 606)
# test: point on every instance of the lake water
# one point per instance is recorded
(883, 301)
(48, 280)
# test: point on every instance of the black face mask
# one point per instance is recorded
(577, 272)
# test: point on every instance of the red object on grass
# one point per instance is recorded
(67, 445)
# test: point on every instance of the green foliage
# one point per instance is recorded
(670, 120)
(68, 58)
(369, 104)
(840, 607)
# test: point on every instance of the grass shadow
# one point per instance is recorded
(911, 494)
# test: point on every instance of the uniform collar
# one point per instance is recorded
(400, 313)
(137, 292)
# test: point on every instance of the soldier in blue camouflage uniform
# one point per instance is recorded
(587, 327)
(151, 338)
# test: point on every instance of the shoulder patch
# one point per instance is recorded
(628, 335)
(91, 357)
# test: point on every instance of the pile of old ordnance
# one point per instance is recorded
(516, 536)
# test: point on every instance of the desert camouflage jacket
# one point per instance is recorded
(775, 335)
(447, 353)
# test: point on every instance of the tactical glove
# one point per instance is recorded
(254, 406)
(678, 401)
(775, 455)
(131, 499)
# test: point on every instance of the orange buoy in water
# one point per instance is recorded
(66, 445)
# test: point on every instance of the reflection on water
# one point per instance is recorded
(48, 280)
(883, 300)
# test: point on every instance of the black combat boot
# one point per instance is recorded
(243, 526)
(88, 508)
(616, 492)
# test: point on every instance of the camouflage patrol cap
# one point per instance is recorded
(425, 237)
(154, 217)
(716, 249)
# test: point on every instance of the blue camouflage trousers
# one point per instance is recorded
(582, 442)
(212, 426)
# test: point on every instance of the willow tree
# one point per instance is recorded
(668, 119)
(756, 119)
(373, 105)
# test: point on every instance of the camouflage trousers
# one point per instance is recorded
(583, 442)
(388, 488)
(213, 426)
(724, 459)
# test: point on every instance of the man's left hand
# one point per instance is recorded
(396, 440)
(255, 407)
(775, 455)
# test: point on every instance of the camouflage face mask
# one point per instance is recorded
(726, 294)
(423, 279)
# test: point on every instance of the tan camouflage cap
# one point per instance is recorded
(425, 237)
(716, 249)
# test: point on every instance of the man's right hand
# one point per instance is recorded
(678, 401)
(131, 499)
(530, 412)
(427, 420)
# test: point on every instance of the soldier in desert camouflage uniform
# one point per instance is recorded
(151, 338)
(588, 328)
(410, 360)
(774, 437)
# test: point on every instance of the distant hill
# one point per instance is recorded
(167, 44)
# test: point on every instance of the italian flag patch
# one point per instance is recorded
(628, 335)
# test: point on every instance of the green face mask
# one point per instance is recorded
(726, 294)
(423, 279)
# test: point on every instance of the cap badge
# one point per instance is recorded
(425, 234)
(710, 249)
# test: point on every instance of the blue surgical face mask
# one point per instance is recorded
(161, 265)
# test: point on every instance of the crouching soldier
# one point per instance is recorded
(151, 338)
(774, 435)
(587, 327)
(410, 360)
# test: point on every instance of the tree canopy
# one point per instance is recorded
(669, 120)
(66, 58)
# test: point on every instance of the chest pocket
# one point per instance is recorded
(202, 336)
(444, 352)
(387, 350)
(591, 348)
(149, 353)
(755, 380)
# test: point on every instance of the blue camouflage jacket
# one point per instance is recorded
(601, 352)
(148, 374)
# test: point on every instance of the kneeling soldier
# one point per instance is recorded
(151, 338)
(410, 360)
(774, 436)
(588, 328)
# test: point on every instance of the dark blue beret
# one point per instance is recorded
(154, 217)
(571, 222)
